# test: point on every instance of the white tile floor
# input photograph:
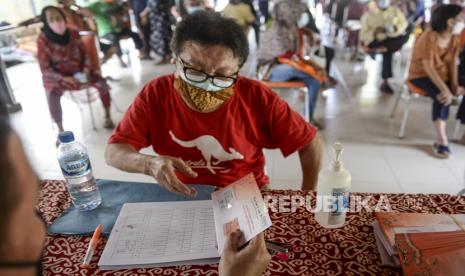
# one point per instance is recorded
(377, 159)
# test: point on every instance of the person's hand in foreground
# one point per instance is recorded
(251, 260)
(163, 169)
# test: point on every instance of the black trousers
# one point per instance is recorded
(145, 31)
(329, 56)
(112, 39)
(263, 7)
(392, 44)
(461, 112)
(461, 73)
(440, 111)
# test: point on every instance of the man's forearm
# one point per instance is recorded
(126, 158)
(310, 160)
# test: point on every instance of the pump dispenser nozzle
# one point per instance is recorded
(337, 162)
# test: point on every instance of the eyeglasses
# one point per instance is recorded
(198, 76)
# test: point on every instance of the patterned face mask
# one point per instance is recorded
(201, 99)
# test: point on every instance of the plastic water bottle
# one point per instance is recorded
(76, 168)
(333, 192)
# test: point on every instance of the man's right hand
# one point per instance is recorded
(445, 97)
(163, 169)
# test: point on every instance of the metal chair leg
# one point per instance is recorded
(396, 103)
(117, 108)
(456, 135)
(340, 78)
(405, 117)
(397, 61)
(306, 105)
(92, 117)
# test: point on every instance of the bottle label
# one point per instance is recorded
(75, 168)
(341, 201)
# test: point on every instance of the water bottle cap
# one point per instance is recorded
(66, 137)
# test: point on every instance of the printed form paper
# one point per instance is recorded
(158, 234)
(239, 206)
(161, 234)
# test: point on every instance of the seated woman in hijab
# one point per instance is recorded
(65, 66)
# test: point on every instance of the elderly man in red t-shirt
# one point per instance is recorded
(207, 124)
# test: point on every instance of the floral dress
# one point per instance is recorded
(160, 26)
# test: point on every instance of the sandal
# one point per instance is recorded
(108, 124)
(441, 151)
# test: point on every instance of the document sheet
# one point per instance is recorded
(239, 206)
(161, 234)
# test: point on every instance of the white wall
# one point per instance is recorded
(14, 11)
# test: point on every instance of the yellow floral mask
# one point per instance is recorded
(201, 99)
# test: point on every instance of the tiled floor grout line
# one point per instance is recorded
(392, 171)
(453, 173)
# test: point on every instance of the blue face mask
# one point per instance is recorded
(206, 85)
(191, 10)
(384, 4)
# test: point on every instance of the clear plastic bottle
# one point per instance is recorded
(76, 168)
(333, 192)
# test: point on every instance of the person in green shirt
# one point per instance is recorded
(113, 24)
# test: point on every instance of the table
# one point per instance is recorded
(350, 250)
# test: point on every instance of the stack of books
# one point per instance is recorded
(421, 244)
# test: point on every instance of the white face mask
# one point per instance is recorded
(303, 20)
(384, 4)
(191, 10)
(206, 85)
(458, 28)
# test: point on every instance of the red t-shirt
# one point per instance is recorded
(221, 146)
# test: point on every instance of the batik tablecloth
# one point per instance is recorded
(350, 250)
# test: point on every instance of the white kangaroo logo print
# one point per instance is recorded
(210, 148)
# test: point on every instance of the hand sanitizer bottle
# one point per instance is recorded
(333, 192)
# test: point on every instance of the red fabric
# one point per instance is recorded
(212, 143)
(350, 250)
(288, 55)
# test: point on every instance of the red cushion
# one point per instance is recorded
(415, 89)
